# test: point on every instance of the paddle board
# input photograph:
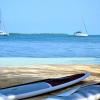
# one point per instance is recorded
(39, 87)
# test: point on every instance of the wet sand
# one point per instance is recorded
(17, 75)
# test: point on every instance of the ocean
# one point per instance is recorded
(49, 46)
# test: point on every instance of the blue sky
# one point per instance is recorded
(51, 16)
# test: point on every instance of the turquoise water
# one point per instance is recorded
(10, 62)
(48, 48)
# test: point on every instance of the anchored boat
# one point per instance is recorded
(2, 28)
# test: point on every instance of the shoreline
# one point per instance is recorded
(14, 75)
(28, 61)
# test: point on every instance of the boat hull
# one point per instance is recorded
(78, 34)
(3, 34)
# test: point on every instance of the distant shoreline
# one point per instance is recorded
(46, 34)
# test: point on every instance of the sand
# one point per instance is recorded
(22, 74)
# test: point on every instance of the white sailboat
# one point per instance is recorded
(2, 33)
(80, 33)
(2, 30)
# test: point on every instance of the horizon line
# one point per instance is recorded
(44, 33)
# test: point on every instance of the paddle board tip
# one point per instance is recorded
(88, 73)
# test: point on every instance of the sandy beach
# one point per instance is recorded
(23, 74)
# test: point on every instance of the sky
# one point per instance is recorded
(51, 16)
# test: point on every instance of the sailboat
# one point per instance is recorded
(80, 33)
(2, 31)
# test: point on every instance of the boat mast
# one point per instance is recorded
(0, 19)
(84, 25)
(2, 27)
